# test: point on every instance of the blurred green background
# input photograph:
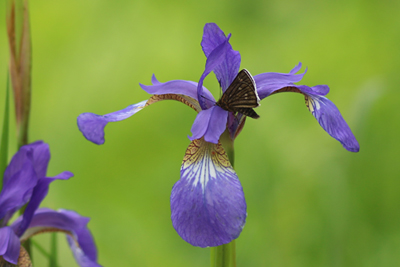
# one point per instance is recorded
(310, 202)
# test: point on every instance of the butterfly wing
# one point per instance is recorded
(241, 96)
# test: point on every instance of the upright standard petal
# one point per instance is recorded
(208, 207)
(92, 125)
(79, 237)
(39, 193)
(210, 123)
(225, 72)
(38, 153)
(216, 57)
(17, 190)
(330, 119)
(40, 157)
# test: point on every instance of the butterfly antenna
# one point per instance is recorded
(206, 98)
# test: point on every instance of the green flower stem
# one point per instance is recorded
(225, 255)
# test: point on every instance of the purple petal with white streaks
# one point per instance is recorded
(208, 207)
(326, 113)
(92, 125)
(330, 119)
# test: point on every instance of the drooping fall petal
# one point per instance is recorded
(208, 207)
(330, 119)
(74, 225)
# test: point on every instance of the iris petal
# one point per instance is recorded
(267, 83)
(9, 245)
(226, 72)
(315, 90)
(38, 153)
(200, 124)
(330, 119)
(210, 123)
(40, 157)
(39, 193)
(216, 57)
(180, 87)
(92, 125)
(4, 236)
(326, 113)
(216, 125)
(17, 190)
(207, 204)
(80, 239)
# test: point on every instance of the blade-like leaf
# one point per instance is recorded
(4, 135)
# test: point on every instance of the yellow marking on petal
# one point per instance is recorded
(312, 104)
(191, 102)
(309, 103)
(204, 161)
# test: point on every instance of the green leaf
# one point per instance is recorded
(4, 135)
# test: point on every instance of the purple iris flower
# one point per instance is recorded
(25, 181)
(207, 203)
